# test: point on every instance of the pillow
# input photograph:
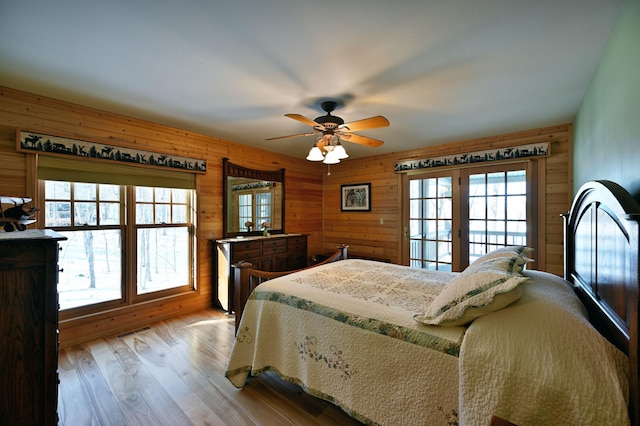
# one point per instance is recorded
(481, 289)
(522, 251)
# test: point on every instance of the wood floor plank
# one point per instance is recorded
(205, 378)
(95, 387)
(125, 391)
(155, 395)
(74, 409)
(173, 373)
(167, 371)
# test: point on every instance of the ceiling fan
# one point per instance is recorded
(330, 129)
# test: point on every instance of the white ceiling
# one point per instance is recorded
(439, 70)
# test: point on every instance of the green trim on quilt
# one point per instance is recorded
(405, 334)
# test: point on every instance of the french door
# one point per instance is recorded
(455, 216)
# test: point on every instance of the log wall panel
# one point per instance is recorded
(20, 110)
(312, 198)
(367, 237)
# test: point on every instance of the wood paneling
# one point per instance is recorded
(366, 236)
(20, 110)
(312, 197)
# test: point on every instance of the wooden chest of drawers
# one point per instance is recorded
(29, 318)
(275, 253)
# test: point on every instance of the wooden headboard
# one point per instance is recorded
(601, 261)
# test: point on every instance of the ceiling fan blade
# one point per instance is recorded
(305, 120)
(290, 136)
(367, 123)
(362, 140)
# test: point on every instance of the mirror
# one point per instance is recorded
(251, 197)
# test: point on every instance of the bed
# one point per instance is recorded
(395, 345)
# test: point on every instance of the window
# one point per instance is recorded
(263, 207)
(253, 206)
(245, 209)
(125, 243)
(162, 239)
(456, 216)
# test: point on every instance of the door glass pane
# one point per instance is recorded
(496, 183)
(477, 185)
(495, 207)
(477, 208)
(516, 207)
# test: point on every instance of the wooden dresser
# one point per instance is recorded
(29, 327)
(275, 253)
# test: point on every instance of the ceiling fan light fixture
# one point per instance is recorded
(340, 152)
(331, 158)
(329, 129)
(315, 154)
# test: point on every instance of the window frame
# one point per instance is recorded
(128, 229)
(460, 195)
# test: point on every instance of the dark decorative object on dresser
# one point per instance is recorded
(29, 327)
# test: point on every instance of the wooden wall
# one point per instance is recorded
(19, 110)
(312, 197)
(367, 237)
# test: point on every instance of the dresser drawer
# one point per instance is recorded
(246, 250)
(274, 242)
(245, 255)
(247, 245)
(297, 244)
(272, 246)
(268, 251)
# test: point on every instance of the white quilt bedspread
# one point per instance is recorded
(533, 363)
(345, 333)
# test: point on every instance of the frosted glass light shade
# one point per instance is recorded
(315, 154)
(331, 158)
(340, 152)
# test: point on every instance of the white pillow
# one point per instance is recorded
(481, 289)
(522, 251)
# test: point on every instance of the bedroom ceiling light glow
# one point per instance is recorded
(327, 149)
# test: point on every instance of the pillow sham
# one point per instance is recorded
(481, 289)
(522, 251)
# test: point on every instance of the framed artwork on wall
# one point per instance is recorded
(355, 197)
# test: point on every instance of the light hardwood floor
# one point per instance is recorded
(172, 373)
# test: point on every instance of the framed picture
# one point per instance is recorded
(355, 197)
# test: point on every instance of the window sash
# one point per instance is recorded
(130, 293)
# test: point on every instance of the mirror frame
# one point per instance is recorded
(230, 169)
